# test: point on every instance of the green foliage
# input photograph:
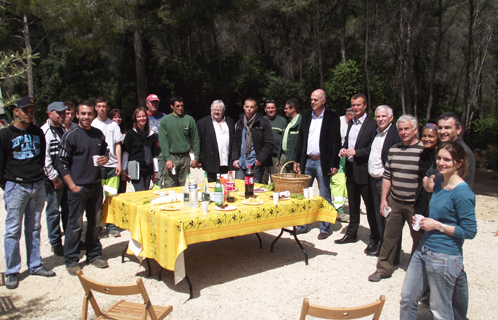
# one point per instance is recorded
(282, 89)
(483, 133)
(345, 79)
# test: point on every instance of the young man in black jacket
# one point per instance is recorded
(22, 158)
(76, 166)
(252, 143)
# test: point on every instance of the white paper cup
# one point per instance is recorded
(306, 193)
(95, 158)
(205, 205)
(162, 194)
(311, 191)
(172, 194)
(416, 225)
(276, 196)
(387, 211)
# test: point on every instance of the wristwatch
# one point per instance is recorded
(442, 228)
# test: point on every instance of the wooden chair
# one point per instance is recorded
(122, 309)
(314, 310)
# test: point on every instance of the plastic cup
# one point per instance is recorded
(95, 159)
(311, 191)
(387, 211)
(172, 194)
(306, 193)
(205, 205)
(276, 196)
(416, 225)
(162, 194)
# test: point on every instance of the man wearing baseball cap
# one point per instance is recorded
(22, 158)
(152, 103)
(53, 131)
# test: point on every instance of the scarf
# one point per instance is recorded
(248, 125)
(147, 151)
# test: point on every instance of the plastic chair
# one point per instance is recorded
(314, 310)
(122, 309)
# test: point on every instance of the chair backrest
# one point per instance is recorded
(116, 290)
(314, 310)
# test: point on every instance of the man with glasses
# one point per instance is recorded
(215, 136)
(278, 125)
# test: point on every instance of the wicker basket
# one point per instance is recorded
(295, 183)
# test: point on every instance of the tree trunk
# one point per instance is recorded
(343, 30)
(140, 66)
(367, 73)
(468, 53)
(317, 42)
(29, 71)
(434, 61)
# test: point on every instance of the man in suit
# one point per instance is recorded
(387, 136)
(215, 135)
(317, 150)
(361, 132)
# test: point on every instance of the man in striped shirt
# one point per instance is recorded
(399, 189)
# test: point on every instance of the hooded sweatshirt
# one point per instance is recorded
(22, 155)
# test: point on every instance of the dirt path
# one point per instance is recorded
(234, 279)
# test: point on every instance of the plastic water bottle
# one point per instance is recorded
(230, 187)
(186, 200)
(192, 187)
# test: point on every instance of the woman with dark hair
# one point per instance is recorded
(427, 159)
(117, 116)
(437, 263)
(140, 144)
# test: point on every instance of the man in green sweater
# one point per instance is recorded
(290, 135)
(278, 125)
(177, 136)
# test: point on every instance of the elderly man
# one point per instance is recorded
(177, 136)
(215, 135)
(252, 143)
(356, 149)
(387, 136)
(22, 157)
(278, 125)
(291, 133)
(317, 150)
(399, 190)
(54, 187)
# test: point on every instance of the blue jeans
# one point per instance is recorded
(53, 199)
(314, 169)
(439, 271)
(258, 173)
(23, 199)
(88, 199)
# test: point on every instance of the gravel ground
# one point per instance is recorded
(234, 279)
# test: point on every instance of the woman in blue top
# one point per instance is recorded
(437, 263)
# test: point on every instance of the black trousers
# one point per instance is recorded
(376, 186)
(355, 193)
(212, 175)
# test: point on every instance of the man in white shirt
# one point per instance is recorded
(111, 171)
(387, 136)
(215, 136)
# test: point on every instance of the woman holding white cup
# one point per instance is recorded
(438, 263)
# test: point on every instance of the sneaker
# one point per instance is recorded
(73, 269)
(12, 282)
(99, 263)
(114, 233)
(44, 272)
(58, 250)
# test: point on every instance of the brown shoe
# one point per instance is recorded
(323, 236)
(377, 276)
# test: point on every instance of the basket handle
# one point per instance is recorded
(285, 164)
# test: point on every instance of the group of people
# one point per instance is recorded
(73, 167)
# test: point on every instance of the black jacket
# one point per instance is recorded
(392, 138)
(362, 147)
(262, 139)
(209, 156)
(22, 155)
(330, 141)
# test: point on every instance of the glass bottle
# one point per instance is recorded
(186, 200)
(249, 182)
(230, 187)
(205, 188)
(218, 191)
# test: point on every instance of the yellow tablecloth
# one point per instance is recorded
(164, 235)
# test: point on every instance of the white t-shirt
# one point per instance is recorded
(112, 134)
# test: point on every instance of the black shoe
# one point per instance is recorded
(372, 246)
(58, 250)
(298, 232)
(12, 282)
(375, 251)
(73, 269)
(99, 263)
(377, 276)
(346, 239)
(44, 272)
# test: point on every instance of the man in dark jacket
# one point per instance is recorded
(252, 143)
(290, 135)
(22, 158)
(317, 150)
(215, 136)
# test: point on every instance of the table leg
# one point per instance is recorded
(149, 270)
(293, 232)
(189, 286)
(260, 242)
